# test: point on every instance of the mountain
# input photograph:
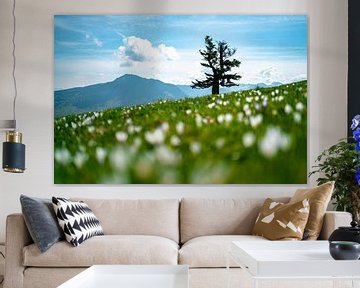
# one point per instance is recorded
(127, 90)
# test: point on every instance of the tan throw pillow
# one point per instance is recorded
(319, 198)
(279, 221)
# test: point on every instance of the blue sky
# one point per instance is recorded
(95, 49)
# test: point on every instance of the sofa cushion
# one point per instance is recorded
(200, 217)
(211, 251)
(41, 221)
(76, 220)
(319, 198)
(107, 249)
(158, 217)
(279, 221)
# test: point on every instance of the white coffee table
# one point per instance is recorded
(131, 276)
(292, 260)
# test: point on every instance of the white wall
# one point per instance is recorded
(327, 95)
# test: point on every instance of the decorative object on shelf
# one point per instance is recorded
(344, 250)
(341, 163)
(344, 233)
(156, 102)
(13, 149)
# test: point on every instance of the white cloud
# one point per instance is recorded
(269, 65)
(181, 71)
(168, 52)
(136, 49)
(97, 42)
(269, 74)
(166, 63)
(269, 71)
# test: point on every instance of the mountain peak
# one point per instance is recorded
(128, 76)
(127, 90)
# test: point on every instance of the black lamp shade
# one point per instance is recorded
(13, 157)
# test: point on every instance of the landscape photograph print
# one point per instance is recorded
(180, 99)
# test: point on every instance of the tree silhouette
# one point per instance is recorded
(216, 56)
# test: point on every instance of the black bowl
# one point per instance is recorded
(344, 250)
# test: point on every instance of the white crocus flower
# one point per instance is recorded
(256, 120)
(180, 127)
(175, 141)
(220, 118)
(248, 139)
(164, 126)
(297, 117)
(299, 106)
(87, 121)
(121, 136)
(195, 147)
(198, 120)
(165, 155)
(79, 159)
(155, 137)
(219, 143)
(288, 109)
(211, 105)
(273, 141)
(62, 156)
(100, 154)
(228, 117)
(119, 158)
(91, 129)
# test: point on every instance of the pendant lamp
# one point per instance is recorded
(13, 160)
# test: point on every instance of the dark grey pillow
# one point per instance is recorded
(41, 221)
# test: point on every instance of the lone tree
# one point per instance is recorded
(216, 56)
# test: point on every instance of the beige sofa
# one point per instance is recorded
(194, 232)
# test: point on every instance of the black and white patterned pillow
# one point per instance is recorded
(77, 220)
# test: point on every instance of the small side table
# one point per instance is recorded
(288, 261)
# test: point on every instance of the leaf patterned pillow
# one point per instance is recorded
(279, 221)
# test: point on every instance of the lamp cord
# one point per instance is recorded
(2, 280)
(14, 59)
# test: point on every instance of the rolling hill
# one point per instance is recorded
(128, 90)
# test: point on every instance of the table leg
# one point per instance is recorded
(355, 283)
(255, 283)
(228, 270)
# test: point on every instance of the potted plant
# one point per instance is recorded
(341, 163)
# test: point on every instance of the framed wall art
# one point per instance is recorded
(180, 99)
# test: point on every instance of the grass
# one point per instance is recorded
(257, 136)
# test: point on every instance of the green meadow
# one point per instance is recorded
(256, 136)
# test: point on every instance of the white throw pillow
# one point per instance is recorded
(76, 220)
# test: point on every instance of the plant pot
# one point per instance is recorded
(343, 250)
(350, 234)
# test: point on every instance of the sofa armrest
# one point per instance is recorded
(17, 237)
(333, 220)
